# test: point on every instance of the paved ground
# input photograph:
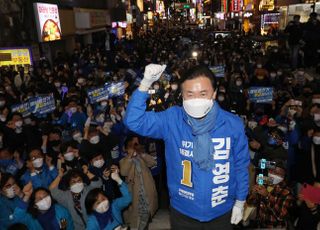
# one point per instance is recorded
(160, 220)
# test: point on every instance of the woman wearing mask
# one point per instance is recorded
(10, 196)
(42, 212)
(102, 169)
(78, 184)
(40, 173)
(103, 214)
(70, 157)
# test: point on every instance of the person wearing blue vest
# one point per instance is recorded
(10, 196)
(206, 148)
(103, 214)
(39, 211)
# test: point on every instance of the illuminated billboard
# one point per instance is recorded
(48, 22)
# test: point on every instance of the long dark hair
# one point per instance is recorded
(31, 207)
(91, 198)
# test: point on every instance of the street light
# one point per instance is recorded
(195, 54)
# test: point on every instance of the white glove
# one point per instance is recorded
(116, 177)
(237, 212)
(152, 73)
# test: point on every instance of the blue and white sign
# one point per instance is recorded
(217, 70)
(98, 94)
(42, 104)
(260, 94)
(116, 89)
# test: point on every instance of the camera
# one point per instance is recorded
(263, 180)
(264, 164)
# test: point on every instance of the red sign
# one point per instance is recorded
(236, 5)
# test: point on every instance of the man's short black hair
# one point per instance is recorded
(199, 71)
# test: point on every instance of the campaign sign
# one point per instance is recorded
(260, 94)
(42, 104)
(22, 108)
(116, 89)
(98, 94)
(217, 70)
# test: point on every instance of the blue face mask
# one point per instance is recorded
(272, 141)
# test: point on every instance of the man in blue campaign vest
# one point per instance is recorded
(206, 151)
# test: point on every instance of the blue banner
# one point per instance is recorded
(42, 104)
(217, 70)
(98, 94)
(22, 108)
(116, 89)
(261, 94)
(38, 105)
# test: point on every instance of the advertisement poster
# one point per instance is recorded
(15, 56)
(48, 22)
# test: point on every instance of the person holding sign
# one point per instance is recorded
(206, 151)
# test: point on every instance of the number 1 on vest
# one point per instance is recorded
(186, 179)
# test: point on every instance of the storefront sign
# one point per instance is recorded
(268, 19)
(48, 22)
(15, 56)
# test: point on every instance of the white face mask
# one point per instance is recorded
(57, 84)
(252, 124)
(44, 204)
(283, 129)
(102, 207)
(238, 83)
(221, 98)
(259, 65)
(98, 163)
(77, 137)
(316, 117)
(18, 124)
(10, 192)
(198, 107)
(69, 156)
(77, 187)
(37, 163)
(276, 179)
(73, 109)
(316, 140)
(2, 103)
(273, 75)
(3, 118)
(316, 101)
(94, 140)
(174, 87)
(28, 121)
(104, 104)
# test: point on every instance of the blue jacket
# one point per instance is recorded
(22, 216)
(7, 207)
(196, 193)
(117, 206)
(43, 179)
(76, 121)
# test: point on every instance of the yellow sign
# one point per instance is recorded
(16, 56)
